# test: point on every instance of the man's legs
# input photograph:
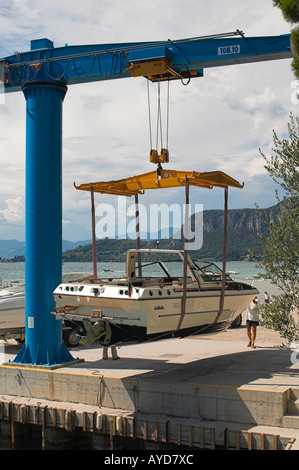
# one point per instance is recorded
(114, 352)
(105, 353)
(253, 336)
(249, 335)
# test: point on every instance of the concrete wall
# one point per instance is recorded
(180, 399)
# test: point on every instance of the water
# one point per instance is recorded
(14, 273)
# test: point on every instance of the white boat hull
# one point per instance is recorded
(151, 311)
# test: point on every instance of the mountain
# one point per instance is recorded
(67, 245)
(244, 228)
(11, 248)
(14, 248)
(164, 233)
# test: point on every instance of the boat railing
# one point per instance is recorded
(98, 280)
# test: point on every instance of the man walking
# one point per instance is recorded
(252, 321)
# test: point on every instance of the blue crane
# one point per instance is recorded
(43, 75)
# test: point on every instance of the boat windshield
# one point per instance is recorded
(170, 266)
(166, 265)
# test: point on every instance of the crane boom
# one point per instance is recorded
(171, 59)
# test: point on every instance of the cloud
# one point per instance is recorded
(14, 212)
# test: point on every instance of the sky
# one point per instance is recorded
(218, 122)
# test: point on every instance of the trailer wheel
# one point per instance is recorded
(71, 338)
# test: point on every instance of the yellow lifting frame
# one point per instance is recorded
(161, 179)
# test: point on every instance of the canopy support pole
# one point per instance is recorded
(183, 310)
(138, 243)
(94, 246)
(223, 254)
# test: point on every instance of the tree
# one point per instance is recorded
(280, 256)
(290, 11)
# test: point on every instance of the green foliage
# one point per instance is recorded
(281, 249)
(280, 257)
(283, 166)
(295, 41)
(289, 8)
(295, 49)
(15, 259)
(290, 11)
(278, 316)
(107, 250)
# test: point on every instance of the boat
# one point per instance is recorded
(12, 312)
(12, 306)
(145, 304)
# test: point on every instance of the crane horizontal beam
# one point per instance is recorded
(165, 179)
(171, 59)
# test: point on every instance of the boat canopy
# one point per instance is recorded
(161, 179)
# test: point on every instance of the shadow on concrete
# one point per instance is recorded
(271, 366)
(263, 366)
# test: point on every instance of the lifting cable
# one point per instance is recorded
(159, 124)
(159, 118)
(149, 115)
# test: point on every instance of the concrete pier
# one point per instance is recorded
(195, 392)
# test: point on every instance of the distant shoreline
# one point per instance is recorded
(106, 260)
(245, 228)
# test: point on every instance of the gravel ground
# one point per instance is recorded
(264, 336)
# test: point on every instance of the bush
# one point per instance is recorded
(278, 316)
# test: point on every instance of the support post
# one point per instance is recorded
(138, 244)
(94, 241)
(43, 252)
(184, 297)
(223, 254)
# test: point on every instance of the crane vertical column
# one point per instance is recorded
(43, 252)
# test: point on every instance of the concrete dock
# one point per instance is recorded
(196, 392)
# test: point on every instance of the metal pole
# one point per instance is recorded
(223, 254)
(12, 425)
(183, 311)
(138, 234)
(43, 252)
(94, 246)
